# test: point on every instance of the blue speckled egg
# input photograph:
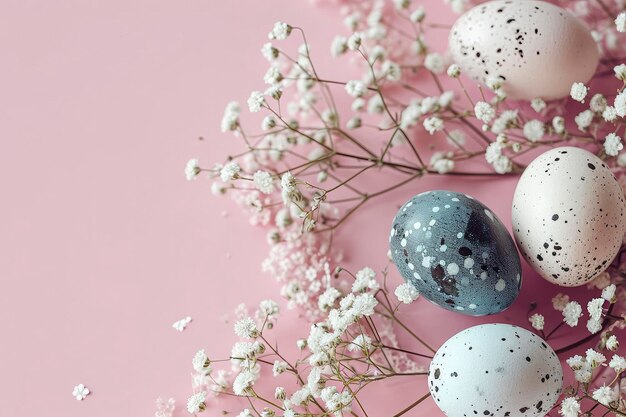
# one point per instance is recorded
(456, 252)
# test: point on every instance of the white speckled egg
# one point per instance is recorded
(568, 216)
(495, 370)
(536, 48)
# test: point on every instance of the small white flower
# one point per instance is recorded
(192, 169)
(612, 343)
(418, 15)
(570, 407)
(255, 101)
(620, 104)
(246, 328)
(559, 301)
(406, 293)
(594, 358)
(200, 361)
(230, 171)
(612, 144)
(230, 120)
(620, 22)
(578, 92)
(598, 103)
(484, 112)
(609, 114)
(354, 123)
(181, 324)
(280, 393)
(558, 124)
(279, 367)
(506, 120)
(339, 46)
(354, 41)
(538, 105)
(269, 52)
(605, 395)
(268, 123)
(243, 381)
(195, 403)
(356, 88)
(392, 71)
(433, 124)
(534, 130)
(620, 72)
(608, 293)
(80, 392)
(442, 162)
(594, 326)
(362, 342)
(454, 71)
(280, 31)
(402, 4)
(273, 76)
(594, 307)
(571, 313)
(248, 413)
(618, 363)
(434, 63)
(583, 120)
(264, 182)
(537, 321)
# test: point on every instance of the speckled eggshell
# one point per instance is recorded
(495, 370)
(536, 48)
(568, 216)
(456, 252)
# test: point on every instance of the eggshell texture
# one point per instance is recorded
(568, 216)
(456, 252)
(495, 370)
(536, 48)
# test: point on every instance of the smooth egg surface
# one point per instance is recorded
(535, 48)
(495, 370)
(456, 252)
(568, 216)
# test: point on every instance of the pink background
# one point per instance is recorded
(103, 242)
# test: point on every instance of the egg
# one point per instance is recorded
(495, 370)
(456, 253)
(568, 216)
(535, 48)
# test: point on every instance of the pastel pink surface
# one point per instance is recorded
(105, 244)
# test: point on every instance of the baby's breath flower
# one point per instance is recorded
(620, 22)
(402, 4)
(356, 88)
(269, 52)
(391, 70)
(605, 395)
(609, 114)
(594, 307)
(406, 293)
(558, 124)
(80, 392)
(201, 362)
(612, 343)
(264, 182)
(433, 124)
(268, 123)
(246, 328)
(354, 41)
(583, 120)
(620, 104)
(441, 163)
(594, 358)
(598, 103)
(618, 363)
(559, 301)
(570, 407)
(620, 72)
(255, 101)
(273, 76)
(537, 321)
(571, 313)
(594, 326)
(195, 403)
(484, 112)
(230, 171)
(578, 92)
(454, 71)
(534, 130)
(362, 342)
(612, 144)
(538, 104)
(418, 15)
(192, 169)
(279, 367)
(339, 46)
(354, 123)
(434, 63)
(230, 120)
(280, 393)
(608, 293)
(280, 31)
(243, 381)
